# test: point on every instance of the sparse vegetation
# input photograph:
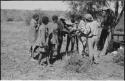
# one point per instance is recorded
(78, 64)
(25, 15)
(119, 57)
(15, 57)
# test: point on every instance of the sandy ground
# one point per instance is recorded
(16, 64)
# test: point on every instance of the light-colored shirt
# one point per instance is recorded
(93, 26)
(52, 27)
(53, 32)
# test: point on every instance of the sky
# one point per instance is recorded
(31, 5)
(43, 5)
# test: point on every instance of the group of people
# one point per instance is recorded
(82, 31)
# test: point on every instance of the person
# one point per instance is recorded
(71, 35)
(107, 30)
(92, 37)
(60, 26)
(53, 36)
(76, 37)
(43, 37)
(33, 32)
(82, 30)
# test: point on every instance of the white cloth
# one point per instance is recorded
(94, 27)
(82, 27)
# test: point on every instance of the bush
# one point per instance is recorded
(78, 64)
(10, 19)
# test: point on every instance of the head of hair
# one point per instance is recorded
(45, 20)
(54, 17)
(109, 17)
(73, 20)
(35, 16)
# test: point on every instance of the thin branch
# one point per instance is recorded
(120, 16)
(116, 8)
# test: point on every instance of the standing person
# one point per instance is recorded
(81, 34)
(53, 36)
(43, 36)
(33, 32)
(76, 37)
(60, 35)
(92, 37)
(71, 36)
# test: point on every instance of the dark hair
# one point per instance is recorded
(54, 17)
(89, 20)
(110, 17)
(73, 20)
(78, 17)
(45, 20)
(35, 15)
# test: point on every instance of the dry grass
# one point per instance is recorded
(78, 64)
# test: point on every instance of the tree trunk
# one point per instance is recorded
(110, 36)
(107, 41)
(116, 8)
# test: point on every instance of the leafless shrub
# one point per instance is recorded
(10, 19)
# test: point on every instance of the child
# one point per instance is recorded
(42, 40)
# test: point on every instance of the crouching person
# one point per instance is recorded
(42, 40)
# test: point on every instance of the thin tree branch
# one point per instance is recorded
(120, 16)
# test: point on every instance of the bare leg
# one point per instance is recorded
(77, 47)
(60, 40)
(40, 58)
(72, 43)
(68, 42)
